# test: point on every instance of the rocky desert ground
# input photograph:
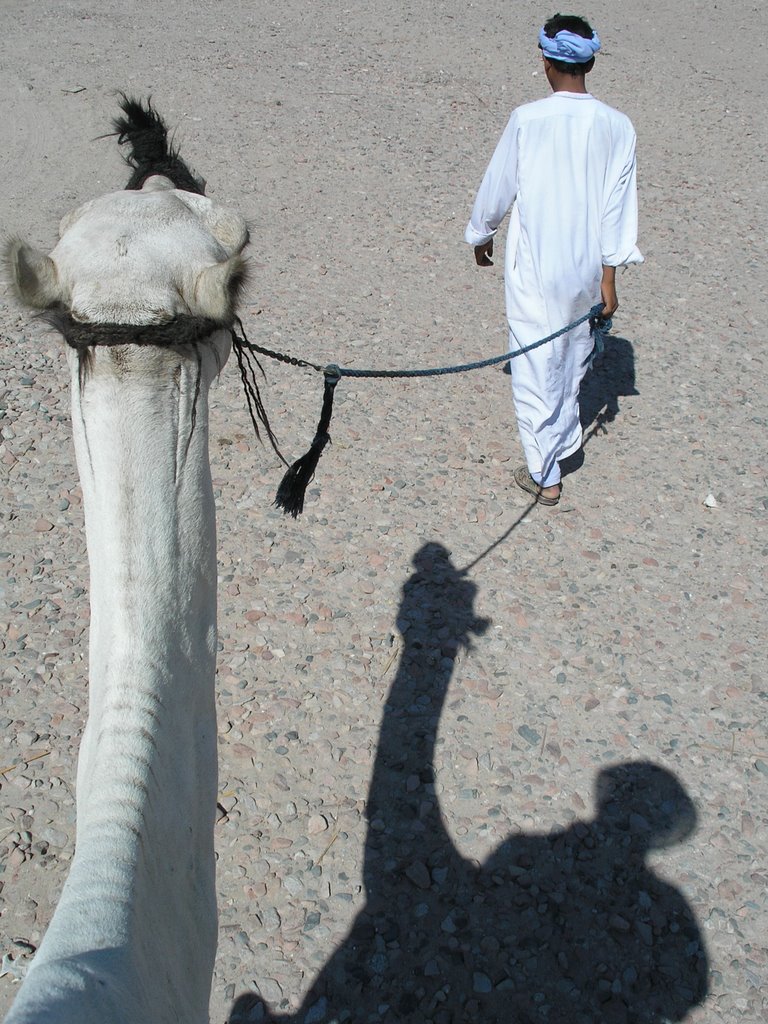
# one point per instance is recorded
(421, 621)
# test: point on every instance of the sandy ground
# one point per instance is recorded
(624, 626)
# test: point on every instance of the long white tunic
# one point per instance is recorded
(567, 163)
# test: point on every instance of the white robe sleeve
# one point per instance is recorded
(619, 225)
(498, 188)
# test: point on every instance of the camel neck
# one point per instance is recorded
(140, 421)
(147, 766)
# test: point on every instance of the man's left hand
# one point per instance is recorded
(608, 292)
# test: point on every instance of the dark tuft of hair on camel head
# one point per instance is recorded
(151, 151)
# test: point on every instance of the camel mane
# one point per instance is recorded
(151, 151)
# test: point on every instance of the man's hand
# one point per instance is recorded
(608, 292)
(483, 254)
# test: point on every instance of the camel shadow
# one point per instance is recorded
(572, 927)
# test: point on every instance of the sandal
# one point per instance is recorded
(524, 480)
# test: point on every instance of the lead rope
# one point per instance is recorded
(292, 490)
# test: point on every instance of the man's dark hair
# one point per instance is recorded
(579, 27)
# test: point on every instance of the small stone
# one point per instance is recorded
(317, 823)
(418, 873)
(11, 968)
(43, 526)
(481, 982)
(529, 735)
(379, 963)
(312, 920)
(54, 836)
(16, 857)
(293, 885)
(271, 920)
(710, 501)
(271, 990)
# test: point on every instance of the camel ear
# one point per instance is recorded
(227, 227)
(218, 289)
(32, 275)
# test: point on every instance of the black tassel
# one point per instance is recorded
(293, 486)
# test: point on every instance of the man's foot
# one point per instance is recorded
(543, 495)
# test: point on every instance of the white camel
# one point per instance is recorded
(153, 275)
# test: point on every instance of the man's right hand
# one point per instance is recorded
(483, 254)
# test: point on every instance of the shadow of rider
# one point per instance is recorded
(572, 927)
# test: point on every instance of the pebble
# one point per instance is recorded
(270, 920)
(270, 989)
(312, 920)
(529, 735)
(292, 885)
(418, 873)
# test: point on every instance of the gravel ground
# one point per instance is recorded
(478, 761)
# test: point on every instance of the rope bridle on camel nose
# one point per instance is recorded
(179, 332)
(191, 330)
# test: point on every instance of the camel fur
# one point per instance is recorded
(133, 938)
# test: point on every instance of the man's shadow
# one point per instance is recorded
(572, 926)
(611, 377)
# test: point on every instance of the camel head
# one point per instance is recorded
(153, 272)
(155, 253)
(137, 257)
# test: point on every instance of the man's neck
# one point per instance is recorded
(570, 83)
(560, 82)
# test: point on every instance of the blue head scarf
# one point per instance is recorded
(569, 47)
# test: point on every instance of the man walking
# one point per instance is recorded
(567, 163)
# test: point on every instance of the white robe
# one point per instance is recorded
(567, 163)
